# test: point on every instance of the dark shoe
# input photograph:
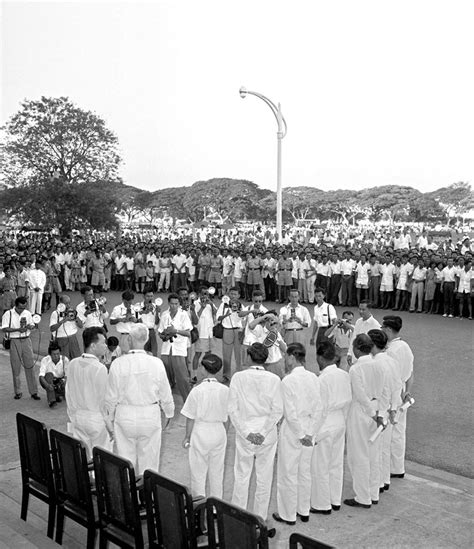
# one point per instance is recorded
(271, 532)
(35, 397)
(381, 489)
(386, 487)
(397, 475)
(277, 517)
(353, 503)
(303, 518)
(375, 502)
(335, 507)
(59, 399)
(53, 404)
(320, 511)
(18, 396)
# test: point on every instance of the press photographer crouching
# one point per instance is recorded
(64, 323)
(52, 374)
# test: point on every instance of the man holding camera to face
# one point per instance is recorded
(64, 323)
(91, 312)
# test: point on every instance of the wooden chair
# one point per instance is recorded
(36, 469)
(119, 514)
(236, 527)
(73, 487)
(298, 541)
(173, 519)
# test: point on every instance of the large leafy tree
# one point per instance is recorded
(456, 199)
(302, 202)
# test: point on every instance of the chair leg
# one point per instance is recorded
(91, 532)
(25, 496)
(102, 541)
(51, 517)
(60, 525)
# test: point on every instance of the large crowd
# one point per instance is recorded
(257, 379)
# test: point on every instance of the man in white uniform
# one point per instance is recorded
(363, 324)
(37, 282)
(328, 453)
(324, 317)
(205, 410)
(255, 408)
(137, 387)
(85, 392)
(301, 422)
(400, 351)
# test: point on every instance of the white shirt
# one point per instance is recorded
(148, 319)
(336, 396)
(324, 315)
(387, 273)
(255, 401)
(59, 370)
(238, 267)
(362, 327)
(269, 266)
(231, 321)
(11, 319)
(401, 352)
(119, 312)
(138, 379)
(182, 322)
(96, 318)
(37, 279)
(206, 319)
(179, 263)
(393, 378)
(85, 387)
(448, 274)
(465, 280)
(347, 266)
(302, 402)
(207, 402)
(67, 329)
(260, 333)
(362, 271)
(301, 312)
(249, 335)
(367, 383)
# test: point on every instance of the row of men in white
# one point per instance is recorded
(124, 406)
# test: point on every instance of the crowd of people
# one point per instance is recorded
(258, 379)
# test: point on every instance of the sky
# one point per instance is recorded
(373, 92)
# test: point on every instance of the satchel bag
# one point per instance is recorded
(218, 331)
(7, 343)
(194, 335)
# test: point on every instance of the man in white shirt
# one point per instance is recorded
(229, 314)
(150, 317)
(137, 387)
(179, 270)
(248, 314)
(205, 311)
(255, 408)
(17, 324)
(387, 271)
(268, 274)
(301, 422)
(418, 286)
(363, 324)
(348, 266)
(63, 325)
(324, 317)
(227, 270)
(123, 317)
(362, 273)
(205, 410)
(405, 272)
(85, 392)
(175, 331)
(465, 287)
(37, 282)
(91, 312)
(294, 318)
(400, 351)
(328, 453)
(52, 374)
(448, 287)
(265, 330)
(369, 403)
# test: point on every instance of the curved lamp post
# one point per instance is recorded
(276, 110)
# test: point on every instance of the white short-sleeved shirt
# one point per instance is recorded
(182, 322)
(324, 315)
(69, 328)
(207, 402)
(58, 370)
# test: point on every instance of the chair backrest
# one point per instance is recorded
(35, 457)
(71, 471)
(170, 517)
(298, 541)
(236, 527)
(117, 498)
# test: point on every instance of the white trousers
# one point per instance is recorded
(206, 457)
(327, 469)
(397, 450)
(385, 444)
(138, 435)
(264, 456)
(363, 456)
(89, 427)
(36, 299)
(293, 475)
(310, 288)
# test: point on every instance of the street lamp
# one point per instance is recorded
(276, 110)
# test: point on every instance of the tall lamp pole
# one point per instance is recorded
(276, 110)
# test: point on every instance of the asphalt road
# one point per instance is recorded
(439, 424)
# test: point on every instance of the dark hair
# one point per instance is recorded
(85, 289)
(257, 293)
(326, 350)
(53, 346)
(258, 353)
(234, 289)
(347, 312)
(363, 343)
(173, 296)
(379, 338)
(91, 335)
(318, 289)
(112, 341)
(297, 350)
(365, 302)
(182, 289)
(128, 295)
(212, 363)
(22, 300)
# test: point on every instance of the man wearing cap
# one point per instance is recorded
(137, 387)
(400, 351)
(17, 324)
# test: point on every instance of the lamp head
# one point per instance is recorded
(243, 92)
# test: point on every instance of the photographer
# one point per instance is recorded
(124, 316)
(232, 323)
(91, 312)
(294, 319)
(340, 334)
(266, 331)
(52, 374)
(63, 324)
(206, 313)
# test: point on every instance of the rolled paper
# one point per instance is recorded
(407, 404)
(376, 435)
(187, 445)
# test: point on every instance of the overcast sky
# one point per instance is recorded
(374, 92)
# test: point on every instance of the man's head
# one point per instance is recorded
(148, 296)
(325, 354)
(379, 339)
(127, 297)
(138, 336)
(362, 345)
(364, 309)
(319, 295)
(21, 304)
(294, 297)
(212, 363)
(257, 298)
(112, 343)
(234, 293)
(54, 351)
(295, 356)
(258, 353)
(174, 303)
(392, 325)
(64, 298)
(94, 341)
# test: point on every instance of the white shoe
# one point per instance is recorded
(451, 316)
(445, 315)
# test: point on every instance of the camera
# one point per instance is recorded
(168, 334)
(71, 314)
(92, 306)
(22, 322)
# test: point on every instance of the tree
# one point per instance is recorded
(392, 202)
(456, 200)
(302, 202)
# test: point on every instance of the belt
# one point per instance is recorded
(236, 328)
(293, 329)
(284, 269)
(254, 269)
(124, 333)
(418, 281)
(26, 337)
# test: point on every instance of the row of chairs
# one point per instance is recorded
(117, 504)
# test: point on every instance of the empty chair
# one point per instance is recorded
(236, 527)
(298, 541)
(73, 488)
(173, 518)
(36, 469)
(117, 501)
